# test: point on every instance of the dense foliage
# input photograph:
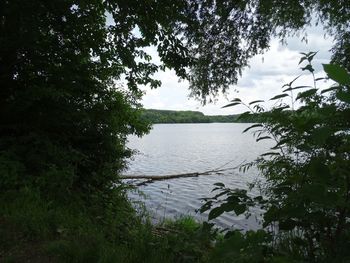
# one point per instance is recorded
(34, 230)
(306, 185)
(170, 116)
(223, 35)
(63, 118)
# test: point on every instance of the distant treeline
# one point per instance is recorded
(171, 116)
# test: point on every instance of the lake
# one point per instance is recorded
(185, 148)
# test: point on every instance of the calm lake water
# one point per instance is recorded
(184, 148)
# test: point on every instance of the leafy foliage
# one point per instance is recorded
(306, 192)
(234, 200)
(63, 118)
(249, 247)
(223, 35)
(35, 230)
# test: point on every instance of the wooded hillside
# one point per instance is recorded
(171, 116)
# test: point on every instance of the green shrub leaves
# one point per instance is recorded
(306, 189)
(337, 73)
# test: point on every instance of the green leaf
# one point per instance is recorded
(301, 60)
(281, 108)
(290, 83)
(222, 193)
(343, 96)
(311, 56)
(253, 126)
(320, 135)
(239, 209)
(231, 104)
(279, 96)
(263, 138)
(309, 68)
(306, 94)
(270, 154)
(337, 73)
(205, 207)
(219, 184)
(234, 206)
(330, 89)
(255, 101)
(215, 212)
(281, 143)
(298, 87)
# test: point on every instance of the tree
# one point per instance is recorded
(63, 118)
(223, 35)
(306, 186)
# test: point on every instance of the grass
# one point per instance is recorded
(33, 229)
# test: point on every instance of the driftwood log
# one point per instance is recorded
(159, 177)
(152, 178)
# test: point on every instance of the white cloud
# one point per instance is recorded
(262, 80)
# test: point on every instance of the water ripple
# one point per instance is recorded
(185, 148)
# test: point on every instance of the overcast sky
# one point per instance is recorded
(263, 80)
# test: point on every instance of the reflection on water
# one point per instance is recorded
(183, 148)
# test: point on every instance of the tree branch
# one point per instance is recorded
(151, 178)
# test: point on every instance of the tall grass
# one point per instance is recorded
(38, 230)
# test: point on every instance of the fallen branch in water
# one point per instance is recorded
(159, 177)
(151, 178)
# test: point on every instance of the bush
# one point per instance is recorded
(307, 188)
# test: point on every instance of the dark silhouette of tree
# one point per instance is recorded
(63, 118)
